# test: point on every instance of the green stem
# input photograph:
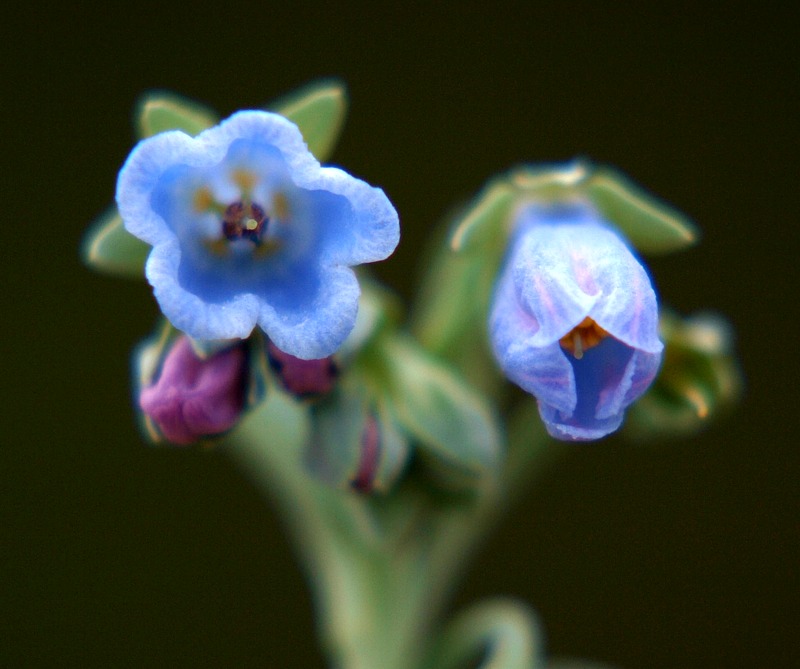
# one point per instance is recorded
(381, 568)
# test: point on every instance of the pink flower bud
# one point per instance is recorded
(194, 397)
(303, 378)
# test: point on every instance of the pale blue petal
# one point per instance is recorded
(558, 429)
(267, 129)
(139, 177)
(312, 320)
(543, 371)
(637, 377)
(367, 230)
(231, 316)
(552, 282)
(628, 309)
(598, 375)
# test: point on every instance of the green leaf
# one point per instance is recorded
(338, 427)
(147, 359)
(651, 225)
(108, 247)
(450, 422)
(394, 450)
(158, 112)
(503, 633)
(319, 110)
(377, 308)
(485, 221)
(342, 423)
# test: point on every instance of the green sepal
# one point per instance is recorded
(699, 378)
(450, 315)
(395, 449)
(109, 248)
(340, 425)
(650, 224)
(337, 430)
(378, 308)
(485, 221)
(147, 358)
(319, 110)
(159, 111)
(449, 422)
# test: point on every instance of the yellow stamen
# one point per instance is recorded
(244, 179)
(587, 334)
(697, 400)
(280, 207)
(203, 199)
(577, 344)
(251, 224)
(219, 247)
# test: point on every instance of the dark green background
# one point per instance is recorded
(679, 555)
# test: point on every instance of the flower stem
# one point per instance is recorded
(381, 567)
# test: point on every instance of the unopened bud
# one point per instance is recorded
(195, 397)
(303, 378)
(364, 480)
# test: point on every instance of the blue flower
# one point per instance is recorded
(249, 230)
(574, 320)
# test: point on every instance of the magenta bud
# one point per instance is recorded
(364, 479)
(303, 378)
(195, 397)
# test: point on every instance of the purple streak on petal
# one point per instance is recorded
(543, 371)
(546, 266)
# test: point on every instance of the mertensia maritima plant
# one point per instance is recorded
(392, 439)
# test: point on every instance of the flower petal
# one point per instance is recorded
(231, 317)
(543, 371)
(310, 317)
(566, 265)
(367, 230)
(599, 374)
(552, 282)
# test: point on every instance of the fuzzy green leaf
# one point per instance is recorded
(504, 633)
(651, 225)
(450, 421)
(159, 112)
(319, 110)
(338, 428)
(485, 220)
(109, 248)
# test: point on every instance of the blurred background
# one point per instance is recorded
(680, 554)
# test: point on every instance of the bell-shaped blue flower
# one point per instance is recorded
(574, 319)
(249, 230)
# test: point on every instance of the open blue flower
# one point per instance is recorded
(574, 320)
(248, 229)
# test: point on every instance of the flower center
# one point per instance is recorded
(587, 334)
(244, 221)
